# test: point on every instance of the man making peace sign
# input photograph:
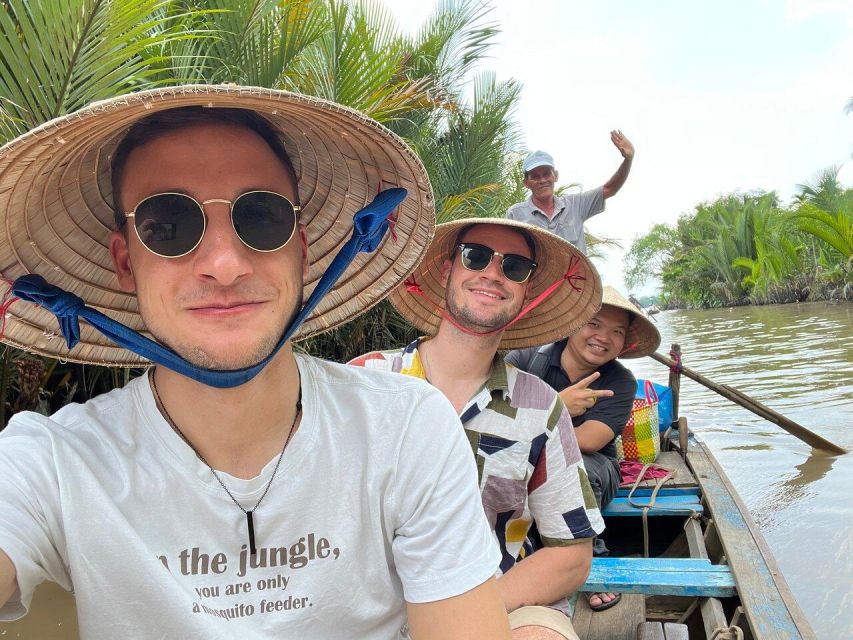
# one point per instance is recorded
(597, 390)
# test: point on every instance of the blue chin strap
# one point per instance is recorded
(369, 227)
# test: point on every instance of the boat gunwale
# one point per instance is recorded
(739, 562)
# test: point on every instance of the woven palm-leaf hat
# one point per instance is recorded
(642, 337)
(56, 209)
(575, 298)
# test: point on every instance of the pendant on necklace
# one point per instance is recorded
(251, 523)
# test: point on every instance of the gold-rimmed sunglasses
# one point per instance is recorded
(171, 225)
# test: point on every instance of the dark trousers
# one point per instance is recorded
(604, 477)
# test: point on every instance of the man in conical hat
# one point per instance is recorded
(237, 489)
(485, 285)
(598, 390)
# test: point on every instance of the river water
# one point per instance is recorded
(798, 360)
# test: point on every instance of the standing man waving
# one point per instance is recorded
(564, 215)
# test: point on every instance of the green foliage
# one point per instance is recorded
(380, 328)
(835, 229)
(743, 249)
(596, 246)
(468, 158)
(59, 55)
(256, 42)
(648, 255)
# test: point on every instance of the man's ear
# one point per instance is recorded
(303, 246)
(556, 174)
(120, 253)
(445, 272)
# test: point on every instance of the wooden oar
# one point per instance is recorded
(738, 397)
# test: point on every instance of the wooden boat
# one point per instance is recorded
(694, 565)
(708, 569)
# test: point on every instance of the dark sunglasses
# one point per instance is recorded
(477, 257)
(171, 225)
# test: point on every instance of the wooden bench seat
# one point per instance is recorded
(665, 505)
(693, 577)
(665, 490)
(665, 631)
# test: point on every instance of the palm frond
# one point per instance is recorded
(452, 40)
(822, 191)
(467, 204)
(60, 55)
(835, 230)
(359, 62)
(258, 41)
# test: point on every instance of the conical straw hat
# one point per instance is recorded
(567, 308)
(642, 333)
(56, 208)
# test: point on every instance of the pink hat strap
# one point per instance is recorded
(571, 276)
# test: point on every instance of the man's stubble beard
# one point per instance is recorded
(198, 357)
(468, 319)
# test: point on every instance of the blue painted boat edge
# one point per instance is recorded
(771, 609)
(670, 505)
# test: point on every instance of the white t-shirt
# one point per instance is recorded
(364, 514)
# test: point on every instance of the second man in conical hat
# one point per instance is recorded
(485, 285)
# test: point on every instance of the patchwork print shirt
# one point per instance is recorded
(528, 462)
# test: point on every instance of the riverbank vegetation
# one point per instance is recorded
(752, 249)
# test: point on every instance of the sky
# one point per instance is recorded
(717, 97)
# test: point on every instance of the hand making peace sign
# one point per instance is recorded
(578, 398)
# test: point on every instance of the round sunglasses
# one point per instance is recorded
(171, 225)
(477, 257)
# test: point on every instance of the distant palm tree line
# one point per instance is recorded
(750, 249)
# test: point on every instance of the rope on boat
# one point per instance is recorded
(659, 482)
(732, 632)
(727, 633)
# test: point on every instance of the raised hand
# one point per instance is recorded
(578, 398)
(622, 143)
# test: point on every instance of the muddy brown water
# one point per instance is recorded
(798, 359)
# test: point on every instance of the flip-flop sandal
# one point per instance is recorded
(604, 605)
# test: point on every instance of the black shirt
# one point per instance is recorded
(614, 411)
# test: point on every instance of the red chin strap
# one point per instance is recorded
(570, 276)
(8, 299)
(627, 349)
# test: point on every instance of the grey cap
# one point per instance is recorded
(537, 159)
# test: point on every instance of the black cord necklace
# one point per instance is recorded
(249, 518)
